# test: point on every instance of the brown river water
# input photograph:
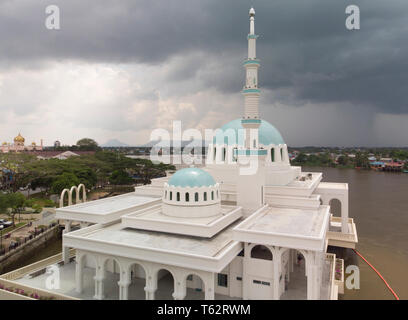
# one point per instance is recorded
(379, 206)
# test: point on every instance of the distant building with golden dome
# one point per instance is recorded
(19, 146)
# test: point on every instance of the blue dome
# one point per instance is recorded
(191, 177)
(268, 134)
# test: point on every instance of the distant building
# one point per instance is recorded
(377, 165)
(62, 155)
(19, 145)
(57, 144)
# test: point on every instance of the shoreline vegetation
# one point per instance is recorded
(351, 158)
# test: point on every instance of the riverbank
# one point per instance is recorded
(34, 250)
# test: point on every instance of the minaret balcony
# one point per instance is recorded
(252, 36)
(251, 91)
(250, 121)
(252, 62)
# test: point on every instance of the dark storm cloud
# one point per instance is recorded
(304, 45)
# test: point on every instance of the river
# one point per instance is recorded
(379, 205)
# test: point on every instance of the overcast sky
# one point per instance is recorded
(119, 69)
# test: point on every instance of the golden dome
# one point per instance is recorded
(4, 143)
(33, 144)
(19, 138)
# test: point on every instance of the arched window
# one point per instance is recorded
(205, 196)
(261, 252)
(178, 196)
(254, 143)
(196, 196)
(224, 151)
(234, 154)
(171, 195)
(335, 207)
(212, 195)
(273, 154)
(215, 152)
(187, 197)
(165, 194)
(281, 151)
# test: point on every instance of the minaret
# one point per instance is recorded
(251, 159)
(251, 91)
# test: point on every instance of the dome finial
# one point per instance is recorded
(251, 12)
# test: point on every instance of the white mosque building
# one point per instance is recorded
(248, 225)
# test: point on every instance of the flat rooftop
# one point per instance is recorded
(162, 241)
(289, 221)
(286, 227)
(154, 219)
(105, 210)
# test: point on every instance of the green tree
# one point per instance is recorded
(3, 202)
(87, 144)
(16, 202)
(343, 160)
(361, 160)
(65, 181)
(301, 158)
(120, 177)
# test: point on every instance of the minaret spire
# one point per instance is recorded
(251, 90)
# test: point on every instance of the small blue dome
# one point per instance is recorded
(191, 177)
(268, 134)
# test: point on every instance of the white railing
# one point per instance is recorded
(6, 280)
(339, 236)
(18, 273)
(331, 257)
(29, 291)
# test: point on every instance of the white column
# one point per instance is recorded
(209, 287)
(79, 276)
(65, 250)
(313, 278)
(277, 266)
(292, 259)
(318, 273)
(210, 154)
(218, 156)
(65, 254)
(245, 277)
(180, 289)
(344, 214)
(268, 155)
(285, 154)
(123, 290)
(68, 226)
(99, 279)
(288, 267)
(277, 154)
(230, 156)
(309, 282)
(151, 285)
(124, 283)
